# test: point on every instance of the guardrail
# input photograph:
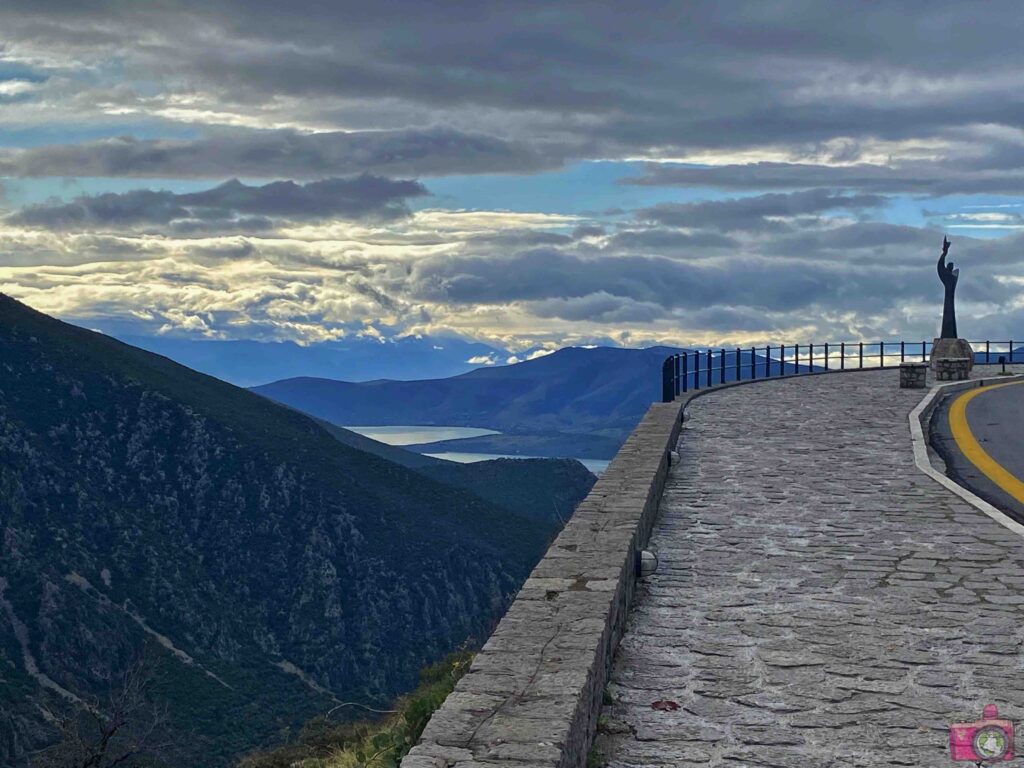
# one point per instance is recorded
(705, 368)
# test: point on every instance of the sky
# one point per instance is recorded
(520, 175)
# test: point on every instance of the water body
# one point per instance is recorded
(410, 435)
(597, 466)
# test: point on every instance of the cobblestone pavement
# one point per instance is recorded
(820, 602)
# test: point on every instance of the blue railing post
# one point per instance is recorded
(710, 367)
(861, 355)
(667, 394)
(987, 353)
(739, 372)
(686, 356)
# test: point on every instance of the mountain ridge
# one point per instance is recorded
(140, 500)
(574, 389)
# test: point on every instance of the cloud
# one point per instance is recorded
(934, 179)
(840, 106)
(760, 212)
(823, 280)
(229, 207)
(862, 96)
(668, 241)
(555, 277)
(280, 153)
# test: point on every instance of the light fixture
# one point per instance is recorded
(646, 563)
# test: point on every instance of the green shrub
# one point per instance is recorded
(380, 743)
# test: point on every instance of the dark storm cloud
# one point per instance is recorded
(232, 206)
(280, 153)
(668, 241)
(866, 268)
(523, 86)
(753, 212)
(587, 230)
(519, 239)
(598, 307)
(938, 178)
(746, 281)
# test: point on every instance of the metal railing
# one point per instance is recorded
(709, 367)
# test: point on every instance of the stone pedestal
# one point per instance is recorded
(952, 369)
(913, 375)
(952, 349)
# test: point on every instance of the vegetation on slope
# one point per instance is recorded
(279, 570)
(372, 743)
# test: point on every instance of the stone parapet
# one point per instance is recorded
(533, 693)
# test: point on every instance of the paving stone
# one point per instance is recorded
(820, 602)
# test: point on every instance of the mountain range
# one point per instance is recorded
(357, 358)
(576, 401)
(272, 565)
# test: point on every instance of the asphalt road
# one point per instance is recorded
(980, 435)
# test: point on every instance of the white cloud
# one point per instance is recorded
(17, 87)
(539, 353)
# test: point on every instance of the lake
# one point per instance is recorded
(405, 435)
(411, 435)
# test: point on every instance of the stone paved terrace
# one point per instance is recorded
(820, 601)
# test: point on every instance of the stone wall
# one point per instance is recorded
(533, 693)
(913, 375)
(951, 368)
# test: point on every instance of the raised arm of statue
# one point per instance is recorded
(947, 274)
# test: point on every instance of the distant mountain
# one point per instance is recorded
(355, 359)
(572, 390)
(993, 357)
(272, 567)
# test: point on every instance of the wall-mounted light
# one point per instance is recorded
(646, 563)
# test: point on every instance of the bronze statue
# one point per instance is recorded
(948, 276)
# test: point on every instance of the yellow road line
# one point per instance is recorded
(971, 448)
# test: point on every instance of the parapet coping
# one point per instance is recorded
(533, 693)
(922, 457)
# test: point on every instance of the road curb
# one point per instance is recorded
(918, 418)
